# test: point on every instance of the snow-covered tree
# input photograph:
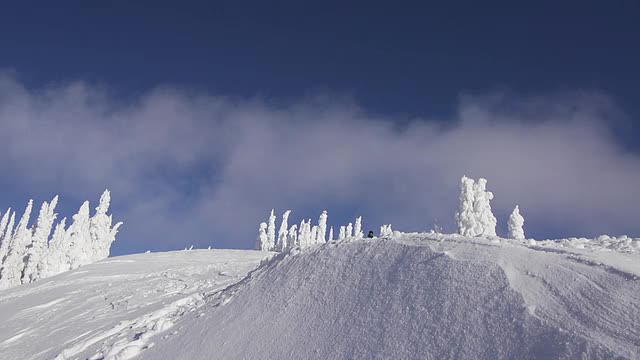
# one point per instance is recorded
(5, 235)
(304, 235)
(465, 218)
(516, 224)
(102, 233)
(263, 239)
(283, 232)
(314, 234)
(331, 234)
(293, 237)
(343, 233)
(79, 239)
(55, 260)
(13, 265)
(357, 232)
(385, 230)
(349, 230)
(475, 217)
(40, 241)
(3, 226)
(485, 220)
(271, 231)
(322, 228)
(30, 255)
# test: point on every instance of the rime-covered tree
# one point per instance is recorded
(322, 228)
(357, 231)
(331, 234)
(39, 244)
(6, 226)
(485, 221)
(516, 225)
(313, 238)
(263, 239)
(293, 237)
(283, 232)
(100, 229)
(271, 230)
(385, 230)
(475, 217)
(13, 265)
(3, 225)
(304, 235)
(349, 230)
(465, 218)
(79, 238)
(55, 260)
(343, 233)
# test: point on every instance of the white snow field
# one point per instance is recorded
(405, 296)
(114, 308)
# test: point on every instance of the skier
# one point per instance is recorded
(370, 234)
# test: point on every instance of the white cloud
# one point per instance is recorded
(189, 168)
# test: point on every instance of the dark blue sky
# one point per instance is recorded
(400, 58)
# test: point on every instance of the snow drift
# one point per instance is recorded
(408, 296)
(421, 296)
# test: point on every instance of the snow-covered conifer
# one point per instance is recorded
(304, 234)
(3, 225)
(485, 221)
(516, 224)
(331, 234)
(39, 243)
(322, 228)
(465, 218)
(263, 239)
(283, 232)
(6, 239)
(79, 238)
(314, 234)
(271, 231)
(357, 231)
(349, 230)
(4, 229)
(13, 265)
(100, 229)
(343, 233)
(385, 230)
(55, 260)
(293, 237)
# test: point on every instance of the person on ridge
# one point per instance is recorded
(370, 234)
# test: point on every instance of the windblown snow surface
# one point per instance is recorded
(423, 296)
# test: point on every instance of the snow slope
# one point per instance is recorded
(424, 296)
(114, 308)
(420, 296)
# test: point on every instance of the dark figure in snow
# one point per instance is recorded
(370, 235)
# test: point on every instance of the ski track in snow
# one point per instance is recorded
(581, 300)
(115, 308)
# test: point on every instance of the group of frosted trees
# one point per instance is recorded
(475, 217)
(306, 235)
(28, 253)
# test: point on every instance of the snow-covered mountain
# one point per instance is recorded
(407, 296)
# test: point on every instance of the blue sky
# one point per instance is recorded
(186, 111)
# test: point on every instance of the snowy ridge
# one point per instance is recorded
(422, 296)
(426, 296)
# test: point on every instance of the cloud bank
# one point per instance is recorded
(187, 168)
